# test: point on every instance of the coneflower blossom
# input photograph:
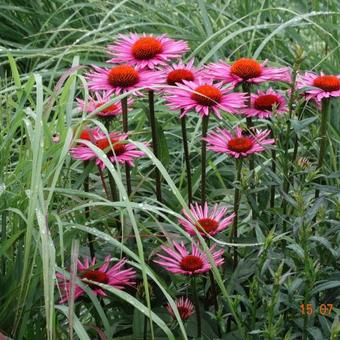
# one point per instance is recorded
(324, 86)
(204, 96)
(246, 70)
(146, 50)
(205, 220)
(124, 152)
(115, 276)
(184, 306)
(90, 134)
(264, 103)
(176, 73)
(123, 78)
(180, 261)
(238, 144)
(94, 103)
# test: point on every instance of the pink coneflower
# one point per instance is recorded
(264, 103)
(94, 103)
(184, 306)
(146, 50)
(205, 220)
(180, 261)
(176, 73)
(115, 276)
(248, 71)
(203, 96)
(123, 152)
(325, 86)
(122, 78)
(238, 144)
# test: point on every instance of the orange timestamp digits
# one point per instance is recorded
(324, 309)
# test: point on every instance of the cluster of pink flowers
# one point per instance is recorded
(142, 62)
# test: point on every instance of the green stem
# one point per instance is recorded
(113, 188)
(186, 157)
(103, 182)
(246, 87)
(285, 186)
(87, 212)
(155, 143)
(124, 103)
(145, 332)
(272, 187)
(205, 122)
(4, 234)
(197, 307)
(323, 136)
(237, 197)
(214, 295)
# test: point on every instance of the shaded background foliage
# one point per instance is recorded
(47, 38)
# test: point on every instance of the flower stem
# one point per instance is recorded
(155, 143)
(186, 157)
(214, 295)
(285, 186)
(237, 197)
(197, 307)
(205, 122)
(103, 182)
(112, 187)
(124, 103)
(323, 136)
(246, 87)
(87, 211)
(272, 187)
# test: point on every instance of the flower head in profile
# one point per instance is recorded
(184, 306)
(181, 261)
(94, 103)
(264, 103)
(205, 220)
(247, 70)
(323, 86)
(146, 50)
(176, 73)
(204, 97)
(239, 143)
(116, 276)
(121, 151)
(123, 78)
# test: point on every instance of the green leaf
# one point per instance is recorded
(78, 327)
(325, 286)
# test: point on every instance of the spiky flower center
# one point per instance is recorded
(94, 275)
(177, 76)
(208, 225)
(240, 144)
(108, 110)
(191, 263)
(85, 134)
(118, 147)
(184, 312)
(246, 68)
(207, 95)
(327, 83)
(146, 48)
(266, 102)
(123, 76)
